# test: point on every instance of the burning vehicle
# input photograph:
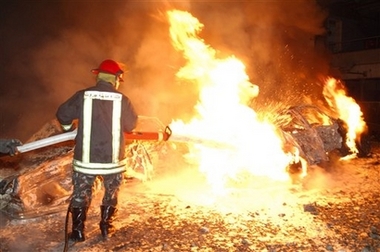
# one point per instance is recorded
(317, 135)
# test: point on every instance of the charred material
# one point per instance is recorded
(316, 134)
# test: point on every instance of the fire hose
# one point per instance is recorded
(69, 136)
(164, 135)
(65, 248)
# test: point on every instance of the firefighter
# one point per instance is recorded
(9, 146)
(102, 115)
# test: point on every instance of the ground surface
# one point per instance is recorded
(333, 210)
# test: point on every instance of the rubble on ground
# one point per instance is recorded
(344, 215)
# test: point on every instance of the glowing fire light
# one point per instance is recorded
(348, 110)
(223, 112)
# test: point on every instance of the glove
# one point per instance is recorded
(68, 127)
(9, 146)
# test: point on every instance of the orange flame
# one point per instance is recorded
(348, 110)
(223, 112)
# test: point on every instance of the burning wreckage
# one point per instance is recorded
(318, 136)
(42, 182)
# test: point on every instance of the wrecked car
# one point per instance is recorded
(316, 134)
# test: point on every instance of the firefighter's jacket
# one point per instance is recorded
(103, 114)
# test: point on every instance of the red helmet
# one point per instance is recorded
(109, 66)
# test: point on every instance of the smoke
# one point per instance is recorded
(275, 39)
(48, 53)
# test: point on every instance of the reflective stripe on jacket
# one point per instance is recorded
(103, 115)
(99, 168)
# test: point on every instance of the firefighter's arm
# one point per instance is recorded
(68, 112)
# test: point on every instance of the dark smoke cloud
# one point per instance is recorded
(48, 50)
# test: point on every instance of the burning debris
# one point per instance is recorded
(317, 135)
(262, 146)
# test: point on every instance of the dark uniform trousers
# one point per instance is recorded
(84, 185)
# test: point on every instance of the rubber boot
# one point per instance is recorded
(107, 216)
(78, 217)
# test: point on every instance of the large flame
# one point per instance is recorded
(223, 115)
(348, 110)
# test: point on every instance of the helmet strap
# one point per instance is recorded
(117, 82)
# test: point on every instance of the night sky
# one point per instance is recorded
(49, 47)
